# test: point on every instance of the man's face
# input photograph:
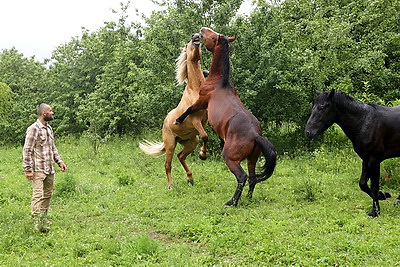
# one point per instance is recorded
(48, 115)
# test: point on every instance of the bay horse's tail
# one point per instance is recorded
(268, 150)
(152, 148)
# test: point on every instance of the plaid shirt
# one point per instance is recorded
(40, 153)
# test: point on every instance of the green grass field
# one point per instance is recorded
(113, 209)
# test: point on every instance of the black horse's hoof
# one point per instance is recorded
(382, 195)
(373, 214)
(228, 204)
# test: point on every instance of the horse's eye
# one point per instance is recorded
(321, 107)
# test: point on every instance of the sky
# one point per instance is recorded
(37, 27)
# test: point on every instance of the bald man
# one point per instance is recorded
(39, 156)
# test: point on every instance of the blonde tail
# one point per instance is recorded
(152, 148)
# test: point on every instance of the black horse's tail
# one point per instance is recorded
(269, 152)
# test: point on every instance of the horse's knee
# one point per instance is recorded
(181, 156)
(204, 138)
(363, 185)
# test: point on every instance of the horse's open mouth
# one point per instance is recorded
(196, 39)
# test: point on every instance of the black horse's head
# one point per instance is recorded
(322, 115)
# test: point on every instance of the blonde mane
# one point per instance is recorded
(181, 69)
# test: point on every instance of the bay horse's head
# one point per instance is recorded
(213, 39)
(322, 116)
(191, 52)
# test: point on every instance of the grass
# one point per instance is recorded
(113, 209)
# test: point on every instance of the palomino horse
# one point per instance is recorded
(238, 128)
(188, 70)
(373, 129)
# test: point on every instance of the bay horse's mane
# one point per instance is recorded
(225, 62)
(181, 68)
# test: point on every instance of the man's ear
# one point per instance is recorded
(231, 39)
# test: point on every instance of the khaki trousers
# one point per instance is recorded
(43, 185)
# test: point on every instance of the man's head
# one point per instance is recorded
(45, 112)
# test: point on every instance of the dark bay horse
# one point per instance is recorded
(373, 129)
(187, 70)
(227, 115)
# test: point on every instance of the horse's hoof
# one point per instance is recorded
(373, 214)
(202, 156)
(382, 195)
(191, 182)
(228, 204)
(397, 202)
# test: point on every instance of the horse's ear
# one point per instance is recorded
(331, 94)
(317, 92)
(231, 39)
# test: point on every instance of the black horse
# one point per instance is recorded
(373, 129)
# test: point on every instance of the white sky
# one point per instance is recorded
(37, 27)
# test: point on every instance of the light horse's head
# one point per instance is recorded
(212, 39)
(323, 114)
(190, 53)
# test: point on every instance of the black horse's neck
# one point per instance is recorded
(351, 114)
(220, 62)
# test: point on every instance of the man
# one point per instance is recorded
(39, 156)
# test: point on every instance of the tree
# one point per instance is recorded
(28, 83)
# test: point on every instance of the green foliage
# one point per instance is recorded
(6, 107)
(119, 79)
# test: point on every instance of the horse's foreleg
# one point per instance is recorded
(241, 178)
(374, 170)
(200, 104)
(188, 147)
(204, 137)
(363, 183)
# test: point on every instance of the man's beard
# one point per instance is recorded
(48, 118)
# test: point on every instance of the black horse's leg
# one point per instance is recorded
(363, 183)
(397, 202)
(241, 178)
(374, 169)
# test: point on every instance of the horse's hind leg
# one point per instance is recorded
(188, 147)
(251, 167)
(241, 178)
(169, 153)
(169, 143)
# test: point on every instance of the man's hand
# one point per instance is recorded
(63, 167)
(30, 175)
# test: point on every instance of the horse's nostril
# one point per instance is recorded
(308, 134)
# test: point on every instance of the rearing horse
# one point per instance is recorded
(188, 70)
(227, 115)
